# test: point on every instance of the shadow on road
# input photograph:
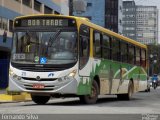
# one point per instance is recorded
(75, 102)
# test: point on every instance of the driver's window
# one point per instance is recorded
(84, 45)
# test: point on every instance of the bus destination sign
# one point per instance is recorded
(44, 23)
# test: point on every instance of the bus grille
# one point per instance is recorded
(40, 69)
(43, 79)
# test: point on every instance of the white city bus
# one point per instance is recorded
(55, 55)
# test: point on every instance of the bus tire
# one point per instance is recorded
(40, 100)
(127, 96)
(91, 99)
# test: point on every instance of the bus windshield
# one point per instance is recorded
(52, 47)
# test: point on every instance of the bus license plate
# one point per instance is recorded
(38, 86)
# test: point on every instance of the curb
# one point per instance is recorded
(15, 98)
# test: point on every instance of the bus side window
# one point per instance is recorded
(131, 55)
(84, 45)
(124, 52)
(97, 45)
(137, 56)
(106, 47)
(115, 49)
(143, 58)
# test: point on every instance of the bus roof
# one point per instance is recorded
(86, 21)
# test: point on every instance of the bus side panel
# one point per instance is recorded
(84, 86)
(143, 80)
(109, 76)
(115, 76)
(137, 74)
(109, 73)
(102, 69)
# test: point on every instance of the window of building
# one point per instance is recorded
(27, 3)
(47, 10)
(37, 5)
(131, 34)
(115, 19)
(89, 4)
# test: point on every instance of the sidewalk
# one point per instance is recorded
(4, 97)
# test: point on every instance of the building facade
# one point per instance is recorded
(64, 5)
(106, 13)
(147, 24)
(129, 19)
(140, 22)
(113, 15)
(92, 9)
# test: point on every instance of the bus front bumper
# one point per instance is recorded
(68, 86)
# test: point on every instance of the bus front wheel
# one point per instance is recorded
(92, 98)
(40, 100)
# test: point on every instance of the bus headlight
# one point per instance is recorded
(11, 72)
(73, 73)
(68, 77)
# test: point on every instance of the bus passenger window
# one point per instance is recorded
(131, 54)
(124, 52)
(84, 46)
(137, 56)
(97, 45)
(115, 49)
(106, 47)
(143, 58)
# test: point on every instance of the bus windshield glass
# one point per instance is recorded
(52, 47)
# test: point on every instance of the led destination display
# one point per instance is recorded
(44, 22)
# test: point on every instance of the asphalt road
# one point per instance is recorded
(143, 105)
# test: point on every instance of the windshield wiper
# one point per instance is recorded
(54, 38)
